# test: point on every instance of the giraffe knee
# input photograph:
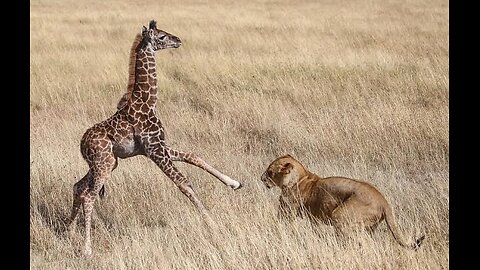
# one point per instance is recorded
(194, 159)
(186, 188)
(78, 188)
(191, 158)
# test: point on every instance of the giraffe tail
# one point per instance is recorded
(102, 192)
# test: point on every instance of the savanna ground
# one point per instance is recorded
(351, 88)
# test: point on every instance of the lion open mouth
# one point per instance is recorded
(267, 181)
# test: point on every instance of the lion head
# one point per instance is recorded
(283, 172)
(338, 201)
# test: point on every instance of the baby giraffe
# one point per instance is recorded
(135, 130)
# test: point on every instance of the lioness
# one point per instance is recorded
(338, 201)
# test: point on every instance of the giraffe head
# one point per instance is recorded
(159, 39)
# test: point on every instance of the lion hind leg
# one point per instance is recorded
(353, 216)
(353, 212)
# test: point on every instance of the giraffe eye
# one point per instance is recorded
(163, 37)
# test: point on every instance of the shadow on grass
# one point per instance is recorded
(52, 217)
(104, 218)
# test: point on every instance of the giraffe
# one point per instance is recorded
(134, 129)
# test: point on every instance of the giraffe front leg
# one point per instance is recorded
(166, 165)
(193, 159)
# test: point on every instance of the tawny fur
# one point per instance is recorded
(338, 201)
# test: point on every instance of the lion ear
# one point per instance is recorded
(287, 167)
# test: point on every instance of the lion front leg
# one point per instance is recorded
(286, 211)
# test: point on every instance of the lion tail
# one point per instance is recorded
(392, 226)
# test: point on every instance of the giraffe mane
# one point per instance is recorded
(132, 63)
(131, 72)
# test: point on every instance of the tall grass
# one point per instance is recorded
(351, 88)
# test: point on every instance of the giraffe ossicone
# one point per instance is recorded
(134, 129)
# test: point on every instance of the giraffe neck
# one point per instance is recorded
(144, 94)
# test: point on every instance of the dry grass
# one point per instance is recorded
(351, 88)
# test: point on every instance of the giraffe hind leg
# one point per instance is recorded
(96, 184)
(79, 190)
(98, 153)
(101, 193)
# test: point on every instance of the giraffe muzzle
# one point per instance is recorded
(176, 42)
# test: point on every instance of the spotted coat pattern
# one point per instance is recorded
(134, 129)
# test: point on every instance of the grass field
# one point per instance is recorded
(351, 88)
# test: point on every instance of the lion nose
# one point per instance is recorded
(263, 177)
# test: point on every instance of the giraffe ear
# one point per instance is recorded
(153, 24)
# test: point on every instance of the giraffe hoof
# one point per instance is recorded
(238, 187)
(87, 251)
